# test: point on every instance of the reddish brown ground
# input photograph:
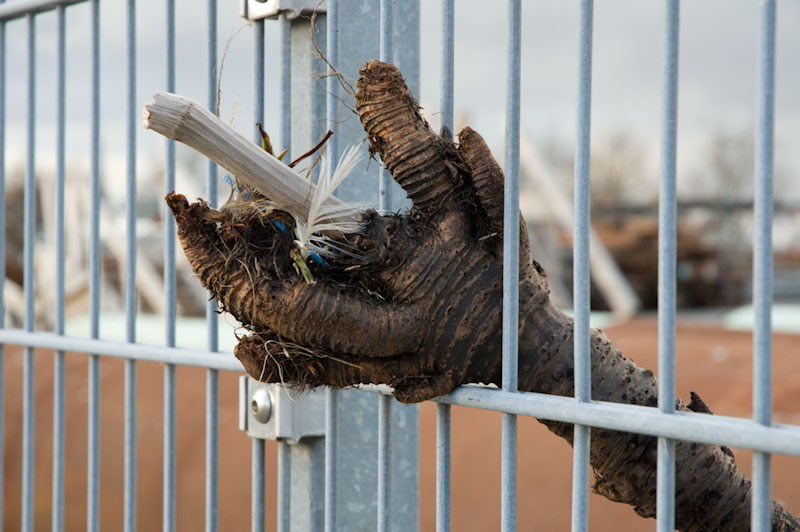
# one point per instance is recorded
(715, 363)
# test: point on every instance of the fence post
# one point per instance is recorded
(357, 432)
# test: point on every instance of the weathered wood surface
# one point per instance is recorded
(189, 122)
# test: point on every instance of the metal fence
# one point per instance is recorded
(757, 434)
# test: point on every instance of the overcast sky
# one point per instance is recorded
(718, 65)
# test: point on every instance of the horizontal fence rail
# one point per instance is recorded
(144, 352)
(23, 8)
(688, 426)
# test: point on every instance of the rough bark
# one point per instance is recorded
(422, 311)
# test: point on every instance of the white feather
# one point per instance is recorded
(328, 218)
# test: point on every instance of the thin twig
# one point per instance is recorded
(312, 150)
(343, 82)
(221, 64)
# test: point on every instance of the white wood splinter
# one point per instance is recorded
(189, 122)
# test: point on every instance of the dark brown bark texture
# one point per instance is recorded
(421, 310)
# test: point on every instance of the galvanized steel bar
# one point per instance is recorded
(168, 515)
(331, 405)
(384, 178)
(129, 495)
(129, 454)
(257, 487)
(29, 221)
(508, 470)
(133, 351)
(385, 401)
(284, 487)
(211, 171)
(212, 375)
(442, 467)
(667, 270)
(443, 410)
(93, 447)
(448, 54)
(718, 430)
(212, 449)
(384, 462)
(58, 367)
(2, 243)
(331, 395)
(133, 122)
(257, 501)
(762, 264)
(286, 85)
(168, 471)
(93, 444)
(22, 8)
(331, 82)
(94, 179)
(689, 426)
(284, 452)
(169, 186)
(581, 275)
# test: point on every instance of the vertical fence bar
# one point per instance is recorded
(331, 404)
(212, 446)
(168, 524)
(169, 186)
(442, 468)
(130, 279)
(94, 179)
(667, 264)
(331, 395)
(762, 265)
(2, 244)
(448, 57)
(284, 452)
(93, 445)
(58, 367)
(28, 414)
(212, 375)
(581, 275)
(257, 497)
(384, 179)
(257, 444)
(442, 410)
(385, 401)
(508, 470)
(284, 486)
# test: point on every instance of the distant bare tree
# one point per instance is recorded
(618, 166)
(730, 165)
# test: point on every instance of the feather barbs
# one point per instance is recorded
(322, 218)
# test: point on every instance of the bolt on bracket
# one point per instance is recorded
(268, 412)
(261, 9)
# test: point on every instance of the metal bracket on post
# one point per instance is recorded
(261, 9)
(267, 412)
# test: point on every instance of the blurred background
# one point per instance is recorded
(718, 65)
